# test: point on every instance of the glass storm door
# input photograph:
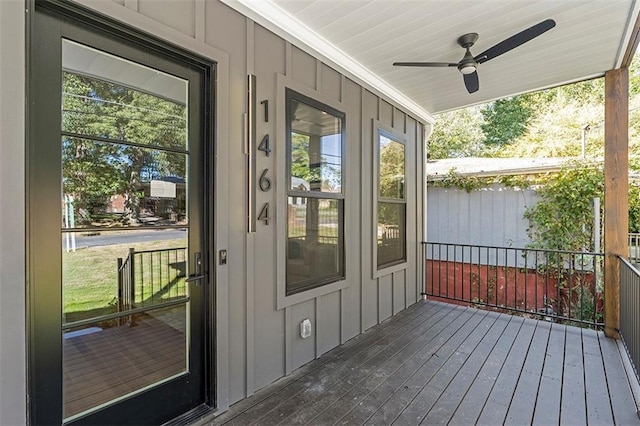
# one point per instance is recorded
(119, 171)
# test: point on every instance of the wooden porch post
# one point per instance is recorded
(616, 183)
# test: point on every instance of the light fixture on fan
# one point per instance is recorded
(467, 68)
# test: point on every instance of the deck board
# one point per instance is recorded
(398, 368)
(573, 408)
(524, 398)
(598, 409)
(448, 401)
(364, 408)
(444, 364)
(329, 373)
(617, 383)
(497, 404)
(328, 360)
(461, 330)
(547, 409)
(428, 396)
(471, 405)
(385, 364)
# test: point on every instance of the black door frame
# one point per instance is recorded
(44, 355)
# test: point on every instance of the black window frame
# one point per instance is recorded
(291, 95)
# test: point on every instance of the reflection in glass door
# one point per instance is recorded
(127, 237)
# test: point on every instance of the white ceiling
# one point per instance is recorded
(364, 38)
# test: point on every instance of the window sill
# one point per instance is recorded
(387, 270)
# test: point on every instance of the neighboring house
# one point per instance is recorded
(242, 105)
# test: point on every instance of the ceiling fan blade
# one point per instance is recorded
(515, 40)
(425, 64)
(471, 82)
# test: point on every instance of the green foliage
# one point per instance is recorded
(634, 208)
(510, 181)
(300, 159)
(90, 276)
(468, 183)
(95, 171)
(563, 219)
(392, 173)
(506, 119)
(547, 123)
(556, 126)
(310, 164)
(584, 305)
(457, 134)
(392, 182)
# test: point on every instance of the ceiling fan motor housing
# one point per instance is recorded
(467, 40)
(467, 64)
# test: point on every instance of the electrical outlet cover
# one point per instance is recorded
(305, 328)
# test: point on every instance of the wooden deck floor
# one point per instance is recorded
(437, 363)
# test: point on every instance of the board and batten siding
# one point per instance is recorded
(12, 215)
(491, 216)
(256, 341)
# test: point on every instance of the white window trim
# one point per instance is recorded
(282, 300)
(401, 138)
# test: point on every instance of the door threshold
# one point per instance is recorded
(197, 416)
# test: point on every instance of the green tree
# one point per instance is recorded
(548, 123)
(555, 128)
(457, 134)
(392, 182)
(557, 131)
(506, 119)
(392, 173)
(93, 171)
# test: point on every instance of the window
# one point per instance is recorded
(392, 202)
(315, 198)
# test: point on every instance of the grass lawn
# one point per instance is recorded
(90, 277)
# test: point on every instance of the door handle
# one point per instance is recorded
(198, 276)
(194, 277)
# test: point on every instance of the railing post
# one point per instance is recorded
(119, 263)
(616, 186)
(423, 270)
(132, 275)
(120, 289)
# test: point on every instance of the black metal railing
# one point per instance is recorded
(630, 311)
(150, 277)
(555, 285)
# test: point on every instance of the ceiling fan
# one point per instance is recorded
(468, 65)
